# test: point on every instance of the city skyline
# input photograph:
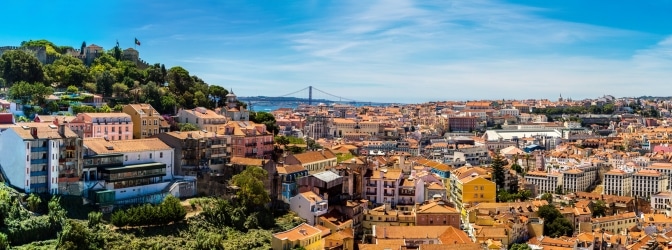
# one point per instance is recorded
(384, 51)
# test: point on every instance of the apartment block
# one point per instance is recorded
(545, 182)
(617, 182)
(113, 126)
(205, 119)
(146, 120)
(647, 182)
(41, 158)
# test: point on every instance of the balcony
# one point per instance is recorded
(251, 144)
(38, 161)
(388, 194)
(39, 149)
(389, 186)
(250, 154)
(268, 143)
(372, 184)
(405, 202)
(371, 192)
(407, 194)
(38, 173)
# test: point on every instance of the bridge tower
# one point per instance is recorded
(310, 95)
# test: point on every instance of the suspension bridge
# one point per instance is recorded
(308, 95)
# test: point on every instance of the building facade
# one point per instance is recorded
(146, 120)
(249, 139)
(113, 126)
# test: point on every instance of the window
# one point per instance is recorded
(150, 155)
(138, 156)
(160, 154)
(112, 129)
(125, 157)
(475, 188)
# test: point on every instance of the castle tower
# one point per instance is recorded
(231, 100)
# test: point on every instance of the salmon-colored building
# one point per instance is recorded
(113, 126)
(250, 139)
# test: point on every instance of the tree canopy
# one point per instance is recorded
(555, 225)
(20, 65)
(252, 193)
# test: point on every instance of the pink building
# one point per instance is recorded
(250, 140)
(113, 126)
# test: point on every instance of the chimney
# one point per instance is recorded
(33, 132)
(61, 129)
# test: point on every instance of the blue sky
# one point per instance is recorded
(393, 51)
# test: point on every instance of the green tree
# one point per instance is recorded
(251, 192)
(104, 109)
(4, 242)
(27, 92)
(548, 197)
(104, 83)
(72, 89)
(267, 119)
(33, 202)
(95, 219)
(218, 93)
(282, 140)
(520, 246)
(67, 70)
(498, 170)
(599, 208)
(179, 80)
(90, 87)
(187, 127)
(20, 65)
(119, 90)
(555, 224)
(76, 236)
(209, 240)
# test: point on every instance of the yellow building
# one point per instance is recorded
(473, 189)
(146, 120)
(304, 235)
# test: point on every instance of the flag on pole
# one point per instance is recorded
(137, 42)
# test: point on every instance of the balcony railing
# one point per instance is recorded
(371, 184)
(267, 142)
(371, 192)
(251, 144)
(38, 149)
(38, 161)
(250, 154)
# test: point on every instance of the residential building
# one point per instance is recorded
(340, 240)
(434, 213)
(576, 180)
(661, 202)
(288, 175)
(302, 236)
(233, 111)
(146, 120)
(544, 182)
(386, 216)
(309, 206)
(462, 123)
(113, 126)
(249, 139)
(471, 190)
(617, 182)
(382, 186)
(138, 171)
(415, 237)
(663, 168)
(647, 182)
(205, 119)
(618, 223)
(41, 158)
(197, 151)
(313, 161)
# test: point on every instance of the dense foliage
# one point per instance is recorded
(555, 225)
(20, 226)
(170, 210)
(505, 196)
(119, 81)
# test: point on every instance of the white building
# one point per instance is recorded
(309, 206)
(382, 186)
(132, 168)
(41, 158)
(648, 182)
(203, 118)
(545, 182)
(579, 179)
(661, 202)
(663, 168)
(617, 182)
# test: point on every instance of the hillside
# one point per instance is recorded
(37, 69)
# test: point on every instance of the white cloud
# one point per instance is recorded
(418, 51)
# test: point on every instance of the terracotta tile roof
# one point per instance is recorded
(313, 156)
(247, 161)
(647, 172)
(101, 146)
(289, 169)
(435, 207)
(298, 233)
(443, 233)
(108, 115)
(194, 134)
(310, 195)
(44, 131)
(614, 217)
(460, 246)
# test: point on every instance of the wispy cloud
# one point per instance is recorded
(429, 50)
